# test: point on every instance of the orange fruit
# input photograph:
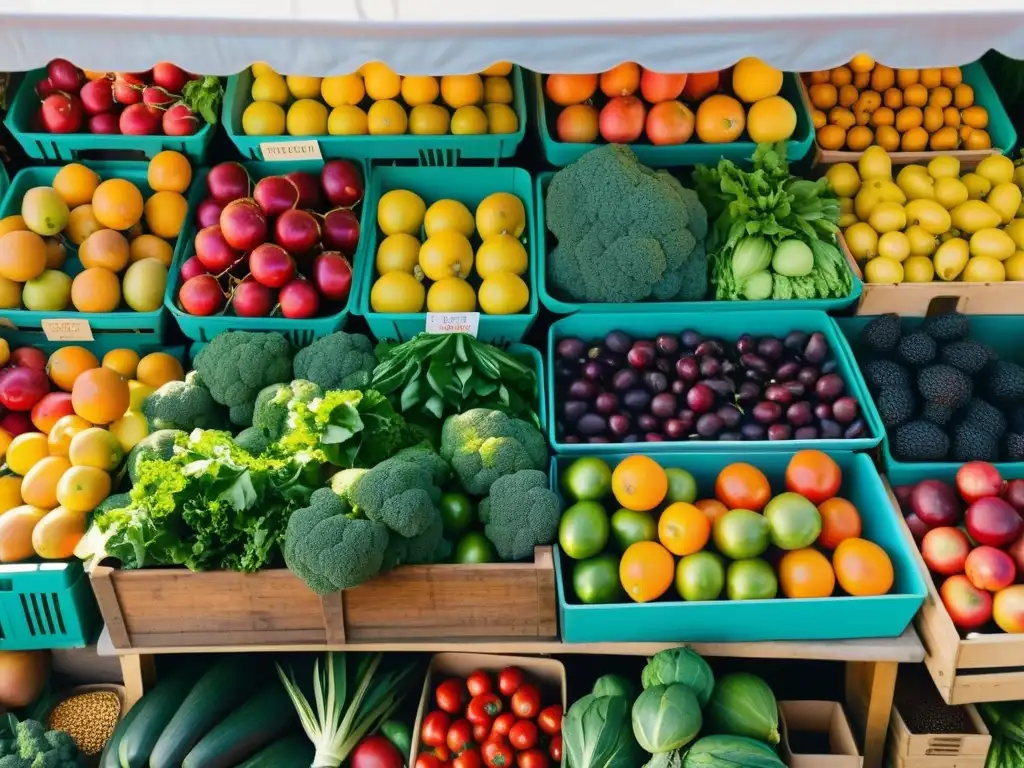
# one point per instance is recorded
(944, 139)
(824, 95)
(646, 571)
(840, 520)
(888, 138)
(566, 90)
(96, 290)
(56, 253)
(859, 138)
(842, 117)
(463, 90)
(169, 171)
(639, 483)
(165, 214)
(720, 119)
(893, 98)
(419, 89)
(931, 78)
(770, 120)
(107, 249)
(343, 90)
(978, 139)
(380, 81)
(883, 116)
(753, 80)
(22, 255)
(13, 223)
(81, 223)
(81, 489)
(39, 485)
(16, 532)
(683, 529)
(123, 361)
(806, 573)
(976, 117)
(907, 77)
(100, 396)
(862, 567)
(952, 76)
(713, 508)
(58, 442)
(963, 96)
(347, 120)
(75, 184)
(818, 119)
(621, 80)
(25, 451)
(386, 118)
(915, 95)
(914, 140)
(831, 137)
(743, 486)
(848, 95)
(10, 493)
(67, 363)
(882, 78)
(818, 76)
(157, 368)
(117, 204)
(150, 247)
(97, 448)
(933, 119)
(58, 533)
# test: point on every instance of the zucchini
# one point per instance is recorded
(293, 751)
(156, 709)
(265, 716)
(109, 758)
(224, 686)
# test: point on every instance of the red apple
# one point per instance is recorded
(1016, 551)
(917, 527)
(228, 181)
(62, 113)
(297, 231)
(309, 189)
(16, 423)
(250, 299)
(968, 606)
(21, 387)
(936, 503)
(97, 97)
(903, 495)
(271, 265)
(275, 195)
(208, 212)
(243, 224)
(622, 119)
(192, 267)
(994, 522)
(945, 550)
(341, 231)
(1014, 494)
(64, 76)
(179, 120)
(990, 568)
(214, 251)
(29, 357)
(299, 299)
(201, 296)
(333, 275)
(342, 182)
(51, 407)
(978, 479)
(170, 77)
(1008, 609)
(140, 120)
(107, 122)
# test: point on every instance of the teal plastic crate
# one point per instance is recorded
(144, 344)
(535, 360)
(551, 299)
(298, 331)
(46, 605)
(727, 326)
(445, 150)
(469, 186)
(122, 320)
(76, 146)
(560, 153)
(671, 619)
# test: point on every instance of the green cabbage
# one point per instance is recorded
(616, 685)
(758, 286)
(680, 665)
(793, 258)
(752, 254)
(596, 734)
(666, 717)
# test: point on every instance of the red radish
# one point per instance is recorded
(341, 231)
(968, 606)
(296, 231)
(62, 113)
(180, 121)
(271, 265)
(342, 183)
(333, 275)
(157, 96)
(228, 181)
(16, 423)
(251, 299)
(994, 522)
(64, 75)
(990, 569)
(309, 189)
(128, 88)
(299, 299)
(21, 388)
(243, 224)
(97, 97)
(1015, 494)
(903, 495)
(936, 503)
(44, 88)
(192, 267)
(275, 195)
(29, 357)
(201, 296)
(978, 479)
(107, 122)
(208, 212)
(140, 120)
(213, 250)
(170, 77)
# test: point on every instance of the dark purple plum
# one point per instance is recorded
(746, 344)
(595, 439)
(572, 349)
(767, 412)
(636, 399)
(777, 393)
(591, 424)
(593, 370)
(674, 429)
(654, 437)
(787, 371)
(729, 368)
(780, 432)
(770, 347)
(655, 381)
(808, 376)
(806, 433)
(647, 423)
(640, 357)
(752, 431)
(709, 425)
(625, 379)
(859, 428)
(709, 347)
(688, 419)
(688, 369)
(606, 403)
(666, 344)
(574, 410)
(795, 341)
(845, 409)
(816, 349)
(700, 398)
(830, 430)
(800, 414)
(612, 362)
(720, 387)
(710, 367)
(830, 366)
(795, 388)
(664, 405)
(730, 437)
(619, 424)
(829, 387)
(754, 376)
(664, 365)
(730, 416)
(753, 362)
(678, 387)
(823, 411)
(581, 389)
(618, 342)
(690, 339)
(748, 392)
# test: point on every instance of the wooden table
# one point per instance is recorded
(870, 665)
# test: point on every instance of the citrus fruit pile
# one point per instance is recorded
(908, 110)
(932, 222)
(91, 244)
(445, 257)
(630, 104)
(662, 533)
(377, 101)
(67, 422)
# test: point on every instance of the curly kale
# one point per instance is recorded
(339, 361)
(159, 444)
(482, 445)
(520, 513)
(236, 365)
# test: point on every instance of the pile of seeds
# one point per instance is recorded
(922, 709)
(88, 718)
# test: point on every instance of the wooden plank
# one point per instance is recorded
(139, 673)
(870, 689)
(996, 686)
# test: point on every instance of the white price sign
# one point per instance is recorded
(453, 322)
(280, 151)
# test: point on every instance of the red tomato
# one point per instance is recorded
(742, 486)
(376, 752)
(479, 682)
(451, 695)
(497, 753)
(550, 719)
(533, 758)
(555, 748)
(481, 731)
(426, 760)
(434, 730)
(503, 723)
(468, 759)
(526, 702)
(460, 736)
(813, 474)
(509, 680)
(523, 735)
(441, 752)
(483, 708)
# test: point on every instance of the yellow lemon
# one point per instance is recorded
(304, 87)
(428, 120)
(497, 90)
(977, 186)
(894, 245)
(342, 90)
(922, 242)
(950, 258)
(974, 215)
(451, 294)
(397, 292)
(137, 394)
(918, 269)
(501, 118)
(944, 167)
(387, 118)
(81, 489)
(261, 68)
(25, 451)
(446, 254)
(448, 214)
(63, 432)
(844, 179)
(419, 89)
(1005, 199)
(949, 193)
(928, 214)
(883, 270)
(500, 213)
(263, 118)
(503, 294)
(129, 429)
(998, 169)
(501, 253)
(306, 117)
(397, 253)
(983, 269)
(1015, 266)
(469, 121)
(95, 447)
(10, 493)
(498, 69)
(380, 81)
(1015, 229)
(400, 211)
(462, 90)
(993, 243)
(271, 87)
(348, 121)
(888, 217)
(124, 361)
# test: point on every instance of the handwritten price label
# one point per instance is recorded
(67, 330)
(445, 322)
(282, 151)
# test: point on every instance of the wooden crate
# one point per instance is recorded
(174, 607)
(938, 750)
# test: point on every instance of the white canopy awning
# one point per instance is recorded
(320, 37)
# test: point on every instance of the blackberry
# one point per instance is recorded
(1004, 383)
(1013, 446)
(885, 373)
(920, 441)
(896, 405)
(917, 348)
(972, 443)
(951, 326)
(968, 356)
(1017, 420)
(985, 416)
(936, 414)
(945, 385)
(882, 334)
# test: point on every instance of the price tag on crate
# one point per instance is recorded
(67, 330)
(285, 151)
(449, 322)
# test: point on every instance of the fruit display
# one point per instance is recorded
(164, 100)
(630, 104)
(282, 247)
(971, 536)
(864, 103)
(941, 394)
(687, 386)
(932, 222)
(503, 719)
(377, 101)
(92, 242)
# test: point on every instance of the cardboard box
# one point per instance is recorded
(818, 717)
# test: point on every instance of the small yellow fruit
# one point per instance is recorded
(25, 451)
(271, 87)
(397, 292)
(875, 164)
(261, 68)
(894, 245)
(847, 220)
(446, 254)
(983, 269)
(998, 169)
(462, 90)
(129, 429)
(499, 69)
(503, 294)
(922, 242)
(1015, 229)
(992, 243)
(400, 211)
(931, 216)
(501, 253)
(944, 167)
(888, 217)
(263, 118)
(303, 87)
(498, 213)
(977, 186)
(381, 81)
(950, 258)
(469, 121)
(949, 193)
(862, 241)
(497, 90)
(452, 294)
(397, 253)
(429, 120)
(347, 121)
(307, 117)
(137, 394)
(918, 269)
(1015, 266)
(448, 214)
(883, 270)
(387, 118)
(501, 118)
(974, 215)
(844, 179)
(1005, 199)
(419, 89)
(342, 90)
(124, 361)
(916, 183)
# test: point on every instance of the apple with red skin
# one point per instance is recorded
(917, 527)
(936, 503)
(17, 423)
(62, 113)
(945, 550)
(978, 479)
(51, 407)
(201, 295)
(29, 357)
(299, 299)
(214, 251)
(21, 387)
(1008, 609)
(993, 521)
(333, 275)
(250, 299)
(271, 265)
(192, 267)
(968, 606)
(990, 568)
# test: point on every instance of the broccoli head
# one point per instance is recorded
(482, 445)
(425, 456)
(270, 413)
(253, 440)
(625, 232)
(159, 444)
(520, 513)
(236, 365)
(339, 361)
(429, 546)
(184, 405)
(397, 493)
(329, 548)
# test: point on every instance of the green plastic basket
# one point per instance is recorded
(428, 150)
(560, 153)
(671, 619)
(122, 320)
(469, 186)
(77, 146)
(46, 605)
(144, 344)
(728, 326)
(299, 332)
(550, 298)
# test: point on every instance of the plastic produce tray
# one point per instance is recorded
(121, 320)
(546, 241)
(141, 343)
(76, 146)
(469, 186)
(560, 153)
(728, 326)
(427, 150)
(299, 332)
(46, 605)
(672, 620)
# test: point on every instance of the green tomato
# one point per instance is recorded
(457, 512)
(474, 547)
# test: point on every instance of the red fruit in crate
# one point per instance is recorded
(208, 212)
(978, 479)
(668, 123)
(97, 97)
(917, 527)
(271, 265)
(16, 423)
(228, 181)
(1015, 494)
(945, 550)
(44, 88)
(968, 606)
(201, 296)
(108, 123)
(342, 182)
(936, 503)
(29, 357)
(332, 274)
(309, 189)
(994, 522)
(62, 113)
(243, 224)
(275, 195)
(656, 87)
(192, 267)
(21, 388)
(64, 75)
(297, 231)
(299, 299)
(156, 96)
(51, 406)
(213, 250)
(250, 299)
(1008, 609)
(170, 77)
(341, 231)
(128, 88)
(179, 120)
(902, 493)
(990, 568)
(622, 119)
(140, 120)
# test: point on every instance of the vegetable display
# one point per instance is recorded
(28, 744)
